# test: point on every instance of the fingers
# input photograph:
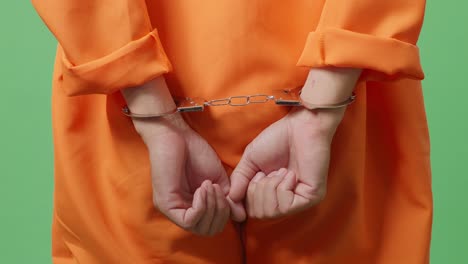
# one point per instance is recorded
(208, 213)
(195, 213)
(204, 225)
(224, 183)
(210, 209)
(262, 199)
(270, 200)
(285, 193)
(251, 197)
(221, 215)
(240, 179)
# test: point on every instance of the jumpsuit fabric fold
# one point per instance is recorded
(378, 208)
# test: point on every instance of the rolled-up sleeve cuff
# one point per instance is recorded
(379, 57)
(134, 64)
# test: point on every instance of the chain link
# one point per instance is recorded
(240, 100)
(280, 97)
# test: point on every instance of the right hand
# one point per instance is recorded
(190, 185)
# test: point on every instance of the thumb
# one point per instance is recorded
(223, 182)
(237, 211)
(240, 178)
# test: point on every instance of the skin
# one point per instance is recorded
(291, 175)
(189, 183)
(191, 187)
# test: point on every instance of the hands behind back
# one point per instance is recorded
(282, 171)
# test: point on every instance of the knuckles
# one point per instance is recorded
(187, 226)
(270, 184)
(316, 194)
(271, 215)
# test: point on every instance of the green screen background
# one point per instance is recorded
(26, 165)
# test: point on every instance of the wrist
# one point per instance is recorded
(326, 86)
(151, 97)
(321, 123)
(153, 127)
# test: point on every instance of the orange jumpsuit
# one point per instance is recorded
(378, 207)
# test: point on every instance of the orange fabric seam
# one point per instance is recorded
(139, 61)
(343, 48)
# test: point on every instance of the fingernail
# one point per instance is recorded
(207, 183)
(258, 176)
(281, 172)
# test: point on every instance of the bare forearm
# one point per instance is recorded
(330, 85)
(151, 97)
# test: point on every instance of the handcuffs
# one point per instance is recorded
(286, 97)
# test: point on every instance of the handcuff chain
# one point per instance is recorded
(286, 97)
(240, 100)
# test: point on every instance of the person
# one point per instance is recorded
(345, 185)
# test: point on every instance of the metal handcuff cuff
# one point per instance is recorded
(286, 97)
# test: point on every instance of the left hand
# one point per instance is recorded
(284, 169)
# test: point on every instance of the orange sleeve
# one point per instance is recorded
(106, 45)
(377, 36)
